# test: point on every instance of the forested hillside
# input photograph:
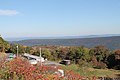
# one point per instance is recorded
(110, 42)
(3, 45)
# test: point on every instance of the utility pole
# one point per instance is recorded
(3, 49)
(40, 58)
(17, 50)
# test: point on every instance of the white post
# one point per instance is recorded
(17, 50)
(40, 58)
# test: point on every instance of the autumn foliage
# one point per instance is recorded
(21, 69)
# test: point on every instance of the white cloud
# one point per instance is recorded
(8, 12)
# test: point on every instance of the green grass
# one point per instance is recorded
(90, 72)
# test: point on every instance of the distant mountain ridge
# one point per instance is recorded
(110, 42)
(61, 37)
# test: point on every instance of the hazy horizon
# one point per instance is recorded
(58, 37)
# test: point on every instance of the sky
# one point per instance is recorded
(50, 18)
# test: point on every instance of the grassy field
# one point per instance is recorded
(90, 72)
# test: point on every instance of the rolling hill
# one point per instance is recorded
(110, 42)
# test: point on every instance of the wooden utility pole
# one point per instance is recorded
(40, 58)
(3, 49)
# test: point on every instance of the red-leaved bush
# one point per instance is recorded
(23, 69)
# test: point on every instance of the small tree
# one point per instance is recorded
(46, 54)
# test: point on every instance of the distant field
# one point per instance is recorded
(110, 42)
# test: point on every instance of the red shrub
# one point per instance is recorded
(70, 75)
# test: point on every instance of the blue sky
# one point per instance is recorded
(45, 18)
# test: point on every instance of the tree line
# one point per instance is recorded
(97, 57)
